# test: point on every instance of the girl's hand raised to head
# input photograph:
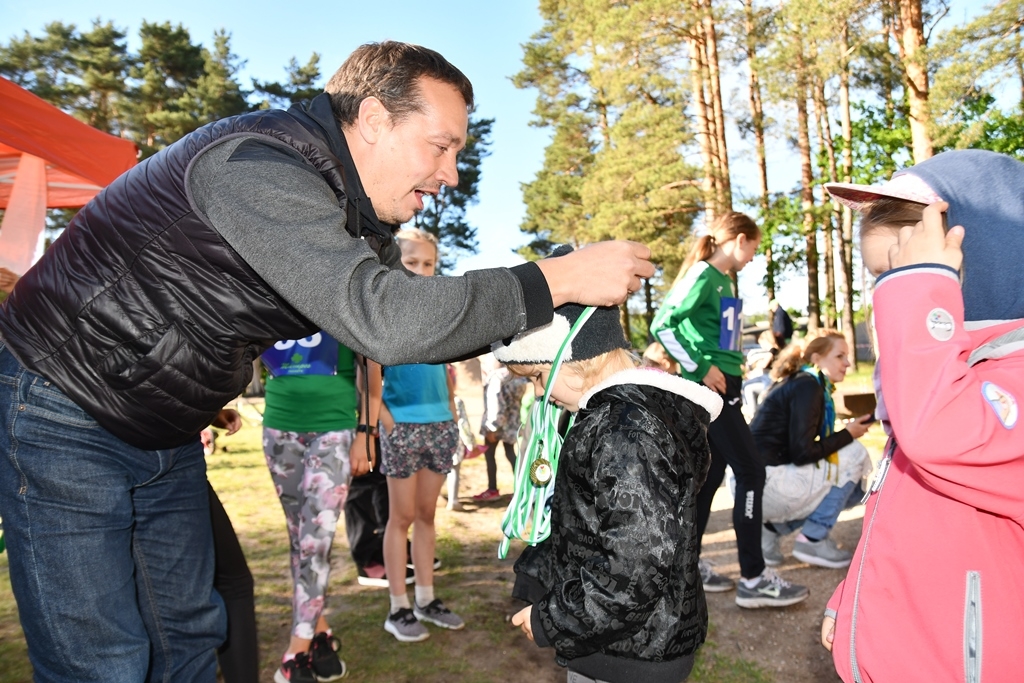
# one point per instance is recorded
(927, 242)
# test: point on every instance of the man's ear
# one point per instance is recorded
(371, 119)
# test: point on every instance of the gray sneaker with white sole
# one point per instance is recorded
(771, 590)
(439, 615)
(823, 553)
(404, 626)
(712, 580)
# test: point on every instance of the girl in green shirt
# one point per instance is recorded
(700, 327)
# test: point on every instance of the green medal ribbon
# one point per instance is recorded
(528, 516)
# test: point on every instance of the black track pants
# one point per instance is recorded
(733, 445)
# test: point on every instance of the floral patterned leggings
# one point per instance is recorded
(311, 473)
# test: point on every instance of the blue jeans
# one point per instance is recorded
(110, 546)
(820, 522)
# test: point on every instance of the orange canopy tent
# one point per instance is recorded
(48, 159)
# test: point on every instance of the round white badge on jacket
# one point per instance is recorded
(940, 324)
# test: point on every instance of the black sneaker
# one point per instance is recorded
(298, 670)
(323, 652)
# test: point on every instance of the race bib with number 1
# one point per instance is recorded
(731, 318)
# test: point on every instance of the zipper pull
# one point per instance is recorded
(883, 469)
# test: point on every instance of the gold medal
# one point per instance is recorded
(540, 472)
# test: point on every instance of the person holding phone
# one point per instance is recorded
(814, 471)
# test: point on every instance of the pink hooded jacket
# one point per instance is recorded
(936, 588)
(935, 591)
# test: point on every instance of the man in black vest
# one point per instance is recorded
(143, 319)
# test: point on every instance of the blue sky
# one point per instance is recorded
(482, 38)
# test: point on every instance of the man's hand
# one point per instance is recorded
(229, 419)
(601, 274)
(926, 242)
(715, 380)
(522, 620)
(828, 632)
(357, 454)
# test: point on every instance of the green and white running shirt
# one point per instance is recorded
(699, 323)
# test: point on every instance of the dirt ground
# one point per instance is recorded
(783, 642)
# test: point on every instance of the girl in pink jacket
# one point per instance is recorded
(935, 591)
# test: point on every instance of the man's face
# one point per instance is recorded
(416, 156)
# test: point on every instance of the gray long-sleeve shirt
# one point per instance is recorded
(279, 214)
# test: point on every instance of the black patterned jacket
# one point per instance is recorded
(615, 588)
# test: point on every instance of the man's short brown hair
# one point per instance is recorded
(389, 71)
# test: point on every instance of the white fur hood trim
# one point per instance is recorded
(699, 394)
(539, 345)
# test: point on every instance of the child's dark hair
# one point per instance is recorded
(891, 214)
(726, 227)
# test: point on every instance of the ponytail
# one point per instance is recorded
(703, 249)
(726, 227)
(799, 353)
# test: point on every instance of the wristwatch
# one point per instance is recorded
(367, 429)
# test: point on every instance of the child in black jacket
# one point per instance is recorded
(615, 589)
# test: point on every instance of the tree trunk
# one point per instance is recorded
(846, 239)
(711, 54)
(709, 107)
(703, 131)
(911, 40)
(757, 123)
(807, 194)
(825, 139)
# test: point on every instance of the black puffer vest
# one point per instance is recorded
(141, 312)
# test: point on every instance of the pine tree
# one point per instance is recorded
(161, 108)
(45, 65)
(302, 84)
(217, 91)
(101, 63)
